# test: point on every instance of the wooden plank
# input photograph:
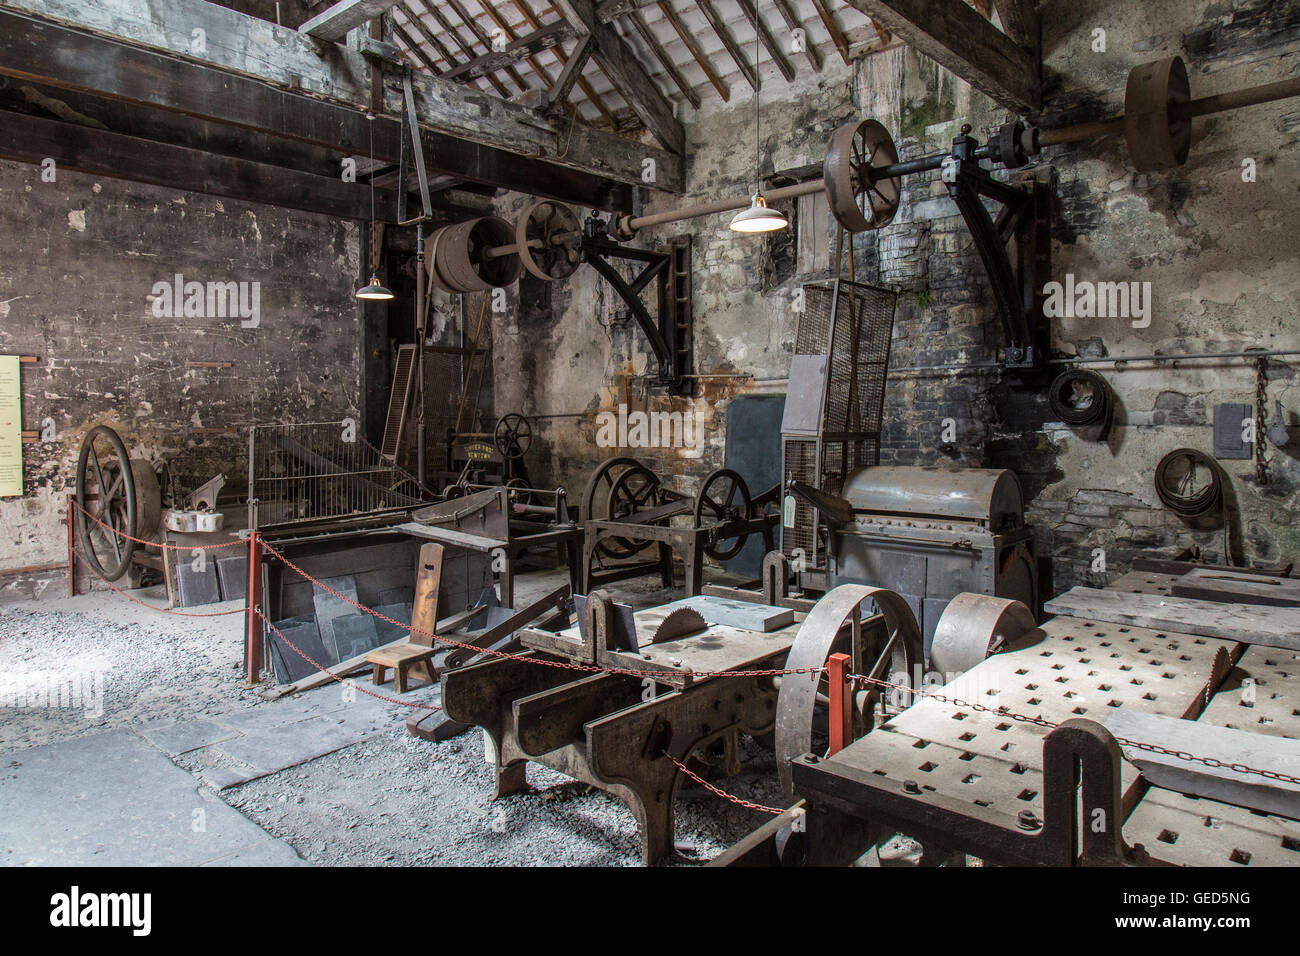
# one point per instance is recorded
(128, 55)
(559, 91)
(696, 53)
(543, 39)
(424, 606)
(1253, 791)
(29, 139)
(1209, 584)
(334, 22)
(1020, 21)
(628, 75)
(482, 36)
(1249, 624)
(474, 542)
(956, 37)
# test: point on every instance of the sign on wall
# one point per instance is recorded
(11, 428)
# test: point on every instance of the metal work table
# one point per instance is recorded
(620, 732)
(984, 782)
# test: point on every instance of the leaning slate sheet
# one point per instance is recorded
(302, 633)
(329, 607)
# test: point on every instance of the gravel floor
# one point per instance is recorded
(115, 664)
(392, 799)
(397, 800)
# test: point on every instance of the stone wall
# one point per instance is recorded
(79, 259)
(1217, 251)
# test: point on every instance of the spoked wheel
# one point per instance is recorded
(635, 489)
(122, 497)
(723, 497)
(893, 654)
(596, 500)
(519, 492)
(860, 198)
(513, 435)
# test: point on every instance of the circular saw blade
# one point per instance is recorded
(682, 622)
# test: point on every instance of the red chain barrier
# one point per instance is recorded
(1041, 722)
(157, 544)
(161, 610)
(720, 792)
(336, 677)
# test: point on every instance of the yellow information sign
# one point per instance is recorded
(11, 427)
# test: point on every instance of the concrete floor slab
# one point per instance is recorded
(174, 737)
(112, 799)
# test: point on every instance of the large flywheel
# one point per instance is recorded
(891, 651)
(122, 498)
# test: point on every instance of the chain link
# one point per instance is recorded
(720, 792)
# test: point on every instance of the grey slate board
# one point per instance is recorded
(112, 799)
(400, 595)
(288, 663)
(354, 635)
(1237, 586)
(232, 575)
(197, 587)
(398, 612)
(1258, 751)
(1228, 428)
(1250, 624)
(741, 614)
(328, 607)
(753, 451)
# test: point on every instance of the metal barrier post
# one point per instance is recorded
(253, 640)
(841, 710)
(72, 543)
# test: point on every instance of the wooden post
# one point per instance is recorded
(253, 641)
(841, 709)
(72, 543)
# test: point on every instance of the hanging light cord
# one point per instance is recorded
(758, 82)
(370, 117)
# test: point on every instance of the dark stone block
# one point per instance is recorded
(232, 576)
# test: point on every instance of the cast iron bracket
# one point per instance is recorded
(1022, 222)
(670, 334)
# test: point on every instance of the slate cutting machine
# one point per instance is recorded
(930, 534)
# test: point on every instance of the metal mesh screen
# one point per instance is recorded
(851, 323)
(316, 470)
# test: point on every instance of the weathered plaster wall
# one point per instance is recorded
(1218, 252)
(79, 258)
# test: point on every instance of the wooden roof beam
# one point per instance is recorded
(648, 38)
(334, 22)
(627, 74)
(792, 23)
(543, 39)
(959, 39)
(773, 48)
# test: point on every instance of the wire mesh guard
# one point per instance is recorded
(319, 470)
(850, 324)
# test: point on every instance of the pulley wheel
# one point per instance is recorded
(513, 436)
(462, 263)
(973, 627)
(859, 198)
(1080, 397)
(1157, 127)
(550, 225)
(1188, 483)
(723, 497)
(431, 245)
(834, 625)
(596, 501)
(123, 495)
